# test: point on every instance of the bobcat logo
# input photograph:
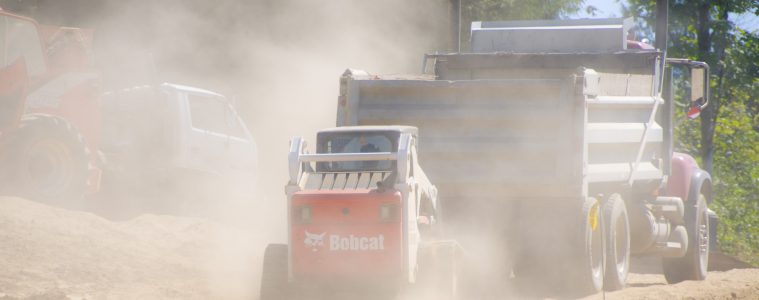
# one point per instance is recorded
(314, 241)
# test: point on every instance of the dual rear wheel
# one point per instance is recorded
(617, 236)
(580, 259)
(606, 261)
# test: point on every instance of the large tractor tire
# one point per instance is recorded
(45, 160)
(617, 243)
(274, 282)
(692, 266)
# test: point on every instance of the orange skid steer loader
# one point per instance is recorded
(363, 217)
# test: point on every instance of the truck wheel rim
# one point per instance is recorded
(703, 238)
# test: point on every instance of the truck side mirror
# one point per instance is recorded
(699, 90)
(699, 84)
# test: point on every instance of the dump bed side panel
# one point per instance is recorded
(490, 139)
(623, 142)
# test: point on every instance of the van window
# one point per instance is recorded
(208, 113)
(235, 128)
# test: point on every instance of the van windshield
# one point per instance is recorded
(356, 142)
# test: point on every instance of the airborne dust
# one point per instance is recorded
(280, 61)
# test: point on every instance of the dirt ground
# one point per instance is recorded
(733, 284)
(52, 253)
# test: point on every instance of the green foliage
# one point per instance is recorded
(736, 169)
(735, 175)
(499, 10)
(732, 54)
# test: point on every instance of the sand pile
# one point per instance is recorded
(52, 253)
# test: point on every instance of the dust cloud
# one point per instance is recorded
(280, 61)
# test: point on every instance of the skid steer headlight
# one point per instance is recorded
(387, 212)
(305, 214)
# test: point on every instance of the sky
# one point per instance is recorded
(613, 9)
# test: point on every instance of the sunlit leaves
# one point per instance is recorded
(735, 94)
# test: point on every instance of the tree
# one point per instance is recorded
(701, 30)
(727, 134)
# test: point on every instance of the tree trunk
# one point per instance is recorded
(709, 114)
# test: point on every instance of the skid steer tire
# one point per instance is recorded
(439, 269)
(447, 267)
(586, 269)
(46, 160)
(533, 273)
(692, 266)
(274, 282)
(617, 233)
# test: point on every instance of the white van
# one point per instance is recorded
(175, 138)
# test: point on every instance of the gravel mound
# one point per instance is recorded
(52, 253)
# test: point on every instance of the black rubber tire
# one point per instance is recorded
(274, 281)
(447, 262)
(46, 160)
(439, 229)
(439, 270)
(693, 265)
(617, 236)
(585, 275)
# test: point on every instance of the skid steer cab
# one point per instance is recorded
(363, 217)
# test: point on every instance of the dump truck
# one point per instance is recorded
(177, 143)
(551, 144)
(363, 216)
(49, 111)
